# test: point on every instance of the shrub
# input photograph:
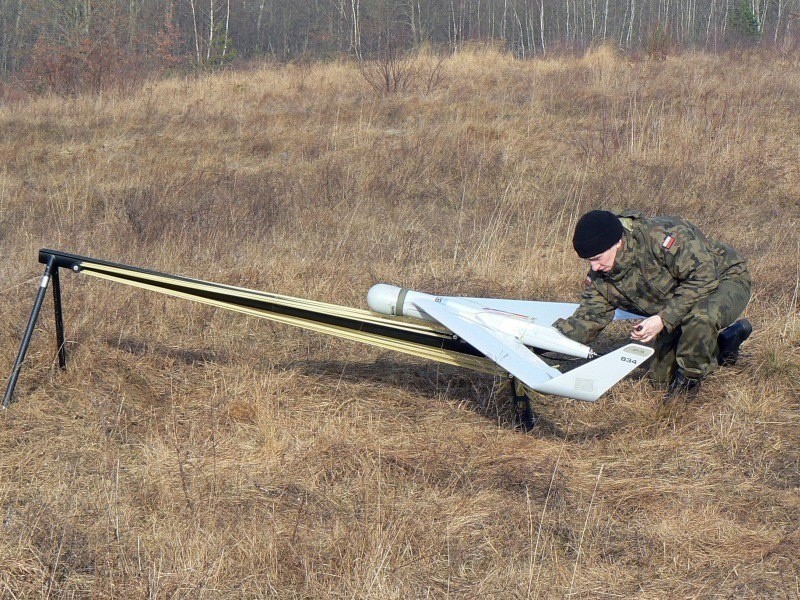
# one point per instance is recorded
(744, 24)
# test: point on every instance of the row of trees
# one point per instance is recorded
(40, 35)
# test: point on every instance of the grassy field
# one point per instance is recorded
(191, 453)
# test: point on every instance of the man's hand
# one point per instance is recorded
(647, 329)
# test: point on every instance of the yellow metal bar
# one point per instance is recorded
(121, 275)
(160, 283)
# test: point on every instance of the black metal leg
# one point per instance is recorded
(524, 416)
(62, 349)
(26, 339)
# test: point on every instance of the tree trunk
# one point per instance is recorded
(630, 26)
(503, 22)
(420, 28)
(132, 10)
(87, 17)
(5, 40)
(452, 28)
(541, 24)
(196, 35)
(227, 29)
(708, 24)
(412, 22)
(725, 18)
(210, 28)
(17, 40)
(355, 7)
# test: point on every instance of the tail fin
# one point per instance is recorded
(590, 381)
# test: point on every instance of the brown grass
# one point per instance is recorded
(192, 453)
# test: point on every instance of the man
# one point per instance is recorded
(691, 289)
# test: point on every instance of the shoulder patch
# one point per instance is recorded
(668, 242)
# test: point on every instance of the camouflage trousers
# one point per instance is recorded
(692, 346)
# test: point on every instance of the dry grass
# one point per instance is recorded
(189, 453)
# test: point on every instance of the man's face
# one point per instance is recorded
(604, 261)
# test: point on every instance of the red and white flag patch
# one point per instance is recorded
(668, 242)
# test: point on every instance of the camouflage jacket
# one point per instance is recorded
(664, 267)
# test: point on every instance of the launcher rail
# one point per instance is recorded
(349, 323)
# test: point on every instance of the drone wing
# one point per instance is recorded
(587, 382)
(544, 313)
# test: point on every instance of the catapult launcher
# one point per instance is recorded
(489, 335)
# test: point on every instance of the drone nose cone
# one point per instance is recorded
(382, 298)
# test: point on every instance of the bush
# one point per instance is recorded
(659, 43)
(744, 24)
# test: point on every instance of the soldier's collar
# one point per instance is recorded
(625, 257)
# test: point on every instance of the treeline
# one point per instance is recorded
(82, 42)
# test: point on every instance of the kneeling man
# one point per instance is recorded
(690, 287)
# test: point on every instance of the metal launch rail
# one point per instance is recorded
(354, 324)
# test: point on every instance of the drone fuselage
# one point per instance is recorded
(393, 300)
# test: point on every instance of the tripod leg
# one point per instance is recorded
(524, 416)
(26, 338)
(62, 349)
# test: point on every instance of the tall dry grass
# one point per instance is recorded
(192, 453)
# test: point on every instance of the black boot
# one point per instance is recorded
(682, 386)
(729, 340)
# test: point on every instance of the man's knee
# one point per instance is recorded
(729, 301)
(663, 364)
(697, 347)
(699, 325)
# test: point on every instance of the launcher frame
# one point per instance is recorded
(52, 263)
(355, 324)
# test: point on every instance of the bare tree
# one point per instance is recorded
(259, 21)
(132, 12)
(227, 28)
(541, 24)
(196, 33)
(355, 40)
(210, 28)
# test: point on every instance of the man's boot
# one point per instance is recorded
(729, 340)
(682, 386)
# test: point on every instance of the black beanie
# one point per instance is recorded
(596, 232)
